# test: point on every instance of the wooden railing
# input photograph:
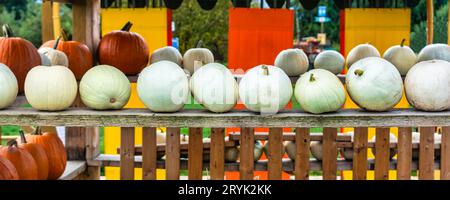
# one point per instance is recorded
(127, 119)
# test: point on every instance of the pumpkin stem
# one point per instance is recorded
(7, 32)
(57, 43)
(127, 26)
(37, 131)
(63, 35)
(199, 44)
(311, 78)
(265, 70)
(22, 136)
(403, 42)
(359, 72)
(12, 143)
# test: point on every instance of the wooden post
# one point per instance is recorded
(217, 160)
(275, 153)
(302, 140)
(360, 141)
(426, 153)
(247, 158)
(173, 154)
(382, 154)
(195, 154)
(47, 21)
(127, 153)
(149, 156)
(404, 155)
(329, 161)
(445, 153)
(86, 23)
(430, 21)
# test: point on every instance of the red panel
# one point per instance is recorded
(169, 27)
(256, 36)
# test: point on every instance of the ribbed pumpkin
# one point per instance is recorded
(54, 56)
(105, 87)
(7, 170)
(195, 58)
(50, 88)
(79, 55)
(22, 160)
(124, 49)
(293, 62)
(167, 53)
(401, 56)
(39, 156)
(435, 52)
(361, 51)
(18, 54)
(54, 148)
(330, 60)
(8, 86)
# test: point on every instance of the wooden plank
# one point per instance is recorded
(404, 155)
(73, 169)
(47, 21)
(445, 153)
(382, 154)
(290, 136)
(302, 140)
(275, 153)
(329, 153)
(430, 21)
(217, 159)
(426, 153)
(82, 117)
(184, 146)
(246, 154)
(127, 153)
(149, 153)
(173, 153)
(360, 140)
(195, 154)
(86, 23)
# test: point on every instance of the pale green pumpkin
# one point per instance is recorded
(435, 52)
(192, 57)
(163, 87)
(401, 56)
(45, 61)
(293, 62)
(361, 51)
(319, 91)
(8, 86)
(105, 87)
(50, 88)
(330, 60)
(168, 53)
(374, 84)
(265, 89)
(214, 87)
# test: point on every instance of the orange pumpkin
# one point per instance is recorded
(56, 153)
(39, 155)
(22, 160)
(79, 55)
(18, 54)
(7, 170)
(124, 50)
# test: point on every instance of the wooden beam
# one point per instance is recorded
(275, 153)
(426, 153)
(360, 153)
(382, 154)
(302, 141)
(404, 155)
(149, 155)
(173, 153)
(127, 153)
(329, 164)
(82, 117)
(47, 21)
(246, 153)
(195, 153)
(217, 159)
(86, 23)
(445, 153)
(430, 21)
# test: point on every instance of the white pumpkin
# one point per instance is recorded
(361, 51)
(168, 53)
(319, 91)
(401, 56)
(330, 60)
(435, 52)
(293, 62)
(105, 87)
(214, 87)
(163, 87)
(56, 57)
(427, 85)
(44, 59)
(374, 84)
(8, 86)
(265, 89)
(316, 148)
(196, 55)
(392, 139)
(50, 88)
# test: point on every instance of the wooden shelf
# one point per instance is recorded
(82, 117)
(73, 169)
(287, 164)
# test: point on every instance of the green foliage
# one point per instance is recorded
(210, 27)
